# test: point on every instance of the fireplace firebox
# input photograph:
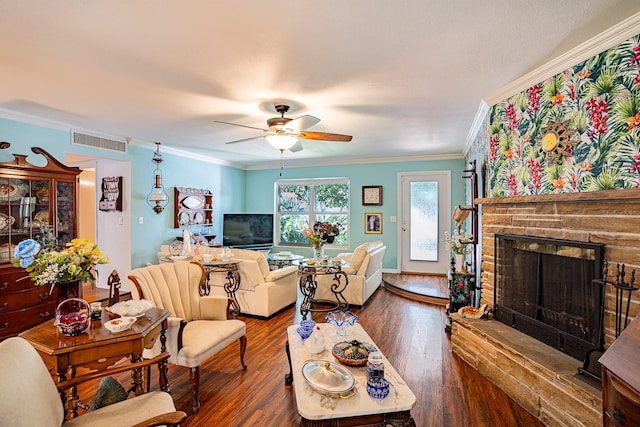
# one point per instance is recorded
(549, 290)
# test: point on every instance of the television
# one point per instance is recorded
(247, 231)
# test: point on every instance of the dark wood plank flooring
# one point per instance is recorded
(410, 333)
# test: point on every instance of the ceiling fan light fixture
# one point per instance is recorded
(281, 142)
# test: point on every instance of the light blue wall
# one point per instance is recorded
(226, 183)
(260, 194)
(234, 190)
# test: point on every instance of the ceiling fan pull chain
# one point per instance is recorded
(281, 162)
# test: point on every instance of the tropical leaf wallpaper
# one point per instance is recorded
(576, 131)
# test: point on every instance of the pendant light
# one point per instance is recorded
(158, 198)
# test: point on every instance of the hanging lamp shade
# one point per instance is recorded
(157, 198)
(281, 142)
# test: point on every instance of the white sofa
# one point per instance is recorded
(364, 271)
(262, 292)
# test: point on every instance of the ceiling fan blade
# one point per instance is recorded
(296, 147)
(324, 136)
(244, 139)
(244, 126)
(302, 123)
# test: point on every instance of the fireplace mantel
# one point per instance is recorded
(591, 196)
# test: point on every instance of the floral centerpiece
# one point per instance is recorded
(320, 234)
(50, 267)
(459, 242)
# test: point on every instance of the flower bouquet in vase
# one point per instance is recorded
(460, 245)
(320, 234)
(64, 270)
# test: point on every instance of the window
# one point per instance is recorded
(300, 203)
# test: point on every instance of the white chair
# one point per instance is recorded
(29, 397)
(364, 271)
(199, 326)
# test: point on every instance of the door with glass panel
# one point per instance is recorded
(425, 216)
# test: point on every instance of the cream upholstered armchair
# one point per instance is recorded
(199, 326)
(29, 397)
(364, 271)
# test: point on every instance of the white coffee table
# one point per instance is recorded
(317, 409)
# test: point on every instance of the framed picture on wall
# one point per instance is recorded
(372, 195)
(373, 223)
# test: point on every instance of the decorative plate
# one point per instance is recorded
(6, 250)
(133, 308)
(352, 353)
(328, 377)
(120, 324)
(472, 312)
(13, 190)
(193, 202)
(6, 221)
(41, 218)
(198, 218)
(184, 218)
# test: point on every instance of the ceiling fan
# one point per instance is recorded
(283, 133)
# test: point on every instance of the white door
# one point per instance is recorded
(425, 215)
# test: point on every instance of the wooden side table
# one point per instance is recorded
(97, 348)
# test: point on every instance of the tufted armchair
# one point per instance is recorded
(199, 326)
(29, 397)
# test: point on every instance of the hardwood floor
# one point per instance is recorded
(410, 333)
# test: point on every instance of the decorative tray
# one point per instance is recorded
(329, 377)
(352, 353)
(472, 312)
(120, 324)
(134, 308)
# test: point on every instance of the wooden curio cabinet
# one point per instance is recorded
(32, 199)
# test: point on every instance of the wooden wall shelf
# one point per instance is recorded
(192, 206)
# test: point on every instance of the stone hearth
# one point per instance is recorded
(543, 380)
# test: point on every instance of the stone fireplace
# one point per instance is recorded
(546, 288)
(543, 378)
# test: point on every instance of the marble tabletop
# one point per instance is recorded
(314, 405)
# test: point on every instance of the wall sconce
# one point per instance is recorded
(158, 198)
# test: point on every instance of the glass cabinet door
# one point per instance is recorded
(14, 203)
(65, 212)
(24, 212)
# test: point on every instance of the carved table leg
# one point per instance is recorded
(162, 366)
(308, 287)
(231, 286)
(288, 378)
(337, 287)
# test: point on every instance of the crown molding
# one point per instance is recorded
(603, 41)
(315, 163)
(184, 153)
(34, 120)
(478, 120)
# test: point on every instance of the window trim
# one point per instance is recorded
(312, 182)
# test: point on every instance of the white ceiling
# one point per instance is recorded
(405, 78)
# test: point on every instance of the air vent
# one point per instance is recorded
(99, 142)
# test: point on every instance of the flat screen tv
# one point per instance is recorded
(249, 231)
